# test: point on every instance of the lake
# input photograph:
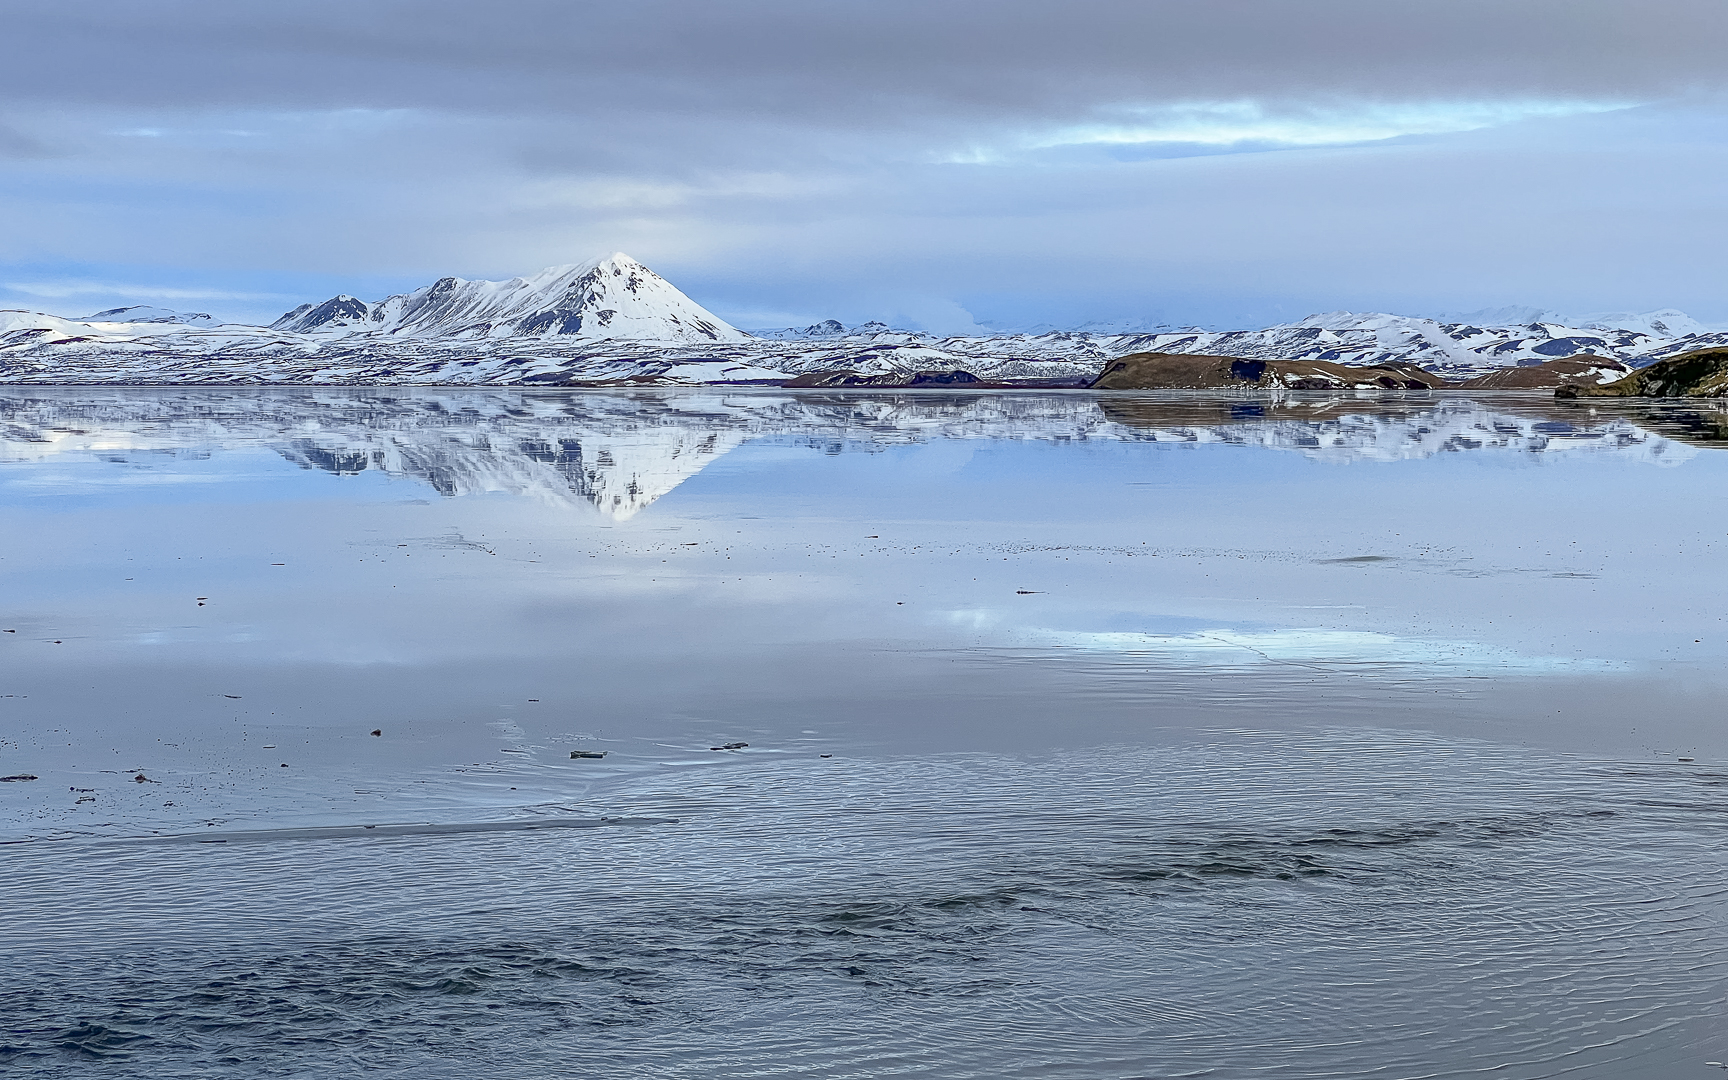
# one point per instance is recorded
(1002, 734)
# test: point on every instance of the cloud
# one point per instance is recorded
(880, 64)
(1225, 123)
(1014, 159)
(932, 314)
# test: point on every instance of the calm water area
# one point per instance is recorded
(1070, 735)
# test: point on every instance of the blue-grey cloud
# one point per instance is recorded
(1218, 162)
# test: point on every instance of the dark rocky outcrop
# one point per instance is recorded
(1586, 370)
(1703, 373)
(307, 317)
(1182, 371)
(829, 380)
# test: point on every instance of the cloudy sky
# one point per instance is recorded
(1221, 162)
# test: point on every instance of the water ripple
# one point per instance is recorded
(1329, 904)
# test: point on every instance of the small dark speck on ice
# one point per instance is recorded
(16, 777)
(587, 753)
(730, 746)
(378, 732)
(232, 697)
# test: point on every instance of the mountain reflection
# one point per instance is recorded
(618, 473)
(620, 451)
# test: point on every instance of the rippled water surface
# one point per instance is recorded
(1117, 736)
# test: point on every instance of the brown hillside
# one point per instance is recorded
(1583, 370)
(1695, 374)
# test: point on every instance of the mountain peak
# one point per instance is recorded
(614, 297)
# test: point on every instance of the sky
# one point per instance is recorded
(946, 166)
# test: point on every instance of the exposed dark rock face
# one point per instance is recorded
(897, 380)
(1695, 374)
(1183, 371)
(310, 317)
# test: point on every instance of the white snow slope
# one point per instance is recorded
(614, 321)
(615, 297)
(138, 313)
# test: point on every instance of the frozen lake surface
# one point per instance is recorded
(1087, 735)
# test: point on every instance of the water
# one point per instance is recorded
(1128, 736)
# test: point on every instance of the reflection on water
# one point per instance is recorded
(1074, 735)
(620, 452)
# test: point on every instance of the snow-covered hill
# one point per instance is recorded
(614, 321)
(142, 313)
(1667, 323)
(615, 298)
(1451, 349)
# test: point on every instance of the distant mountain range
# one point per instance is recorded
(613, 321)
(1665, 323)
(1456, 350)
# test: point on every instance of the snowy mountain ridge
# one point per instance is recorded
(614, 297)
(1667, 322)
(141, 313)
(614, 321)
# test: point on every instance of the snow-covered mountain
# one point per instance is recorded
(613, 298)
(143, 313)
(1095, 327)
(615, 322)
(1509, 315)
(1667, 323)
(26, 326)
(38, 348)
(1450, 349)
(828, 328)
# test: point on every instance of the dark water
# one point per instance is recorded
(1130, 737)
